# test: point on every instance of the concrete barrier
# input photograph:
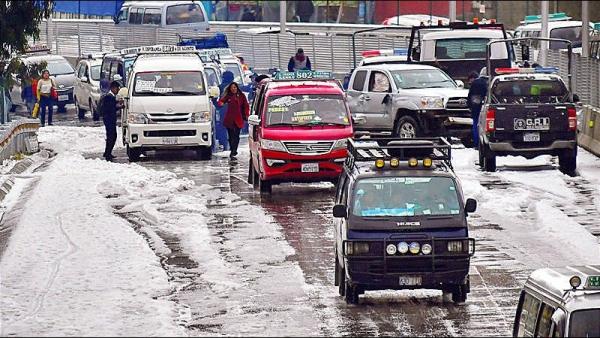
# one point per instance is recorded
(589, 131)
(19, 136)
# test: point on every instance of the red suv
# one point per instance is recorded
(298, 131)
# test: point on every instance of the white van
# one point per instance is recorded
(168, 105)
(163, 14)
(560, 26)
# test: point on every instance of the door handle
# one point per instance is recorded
(367, 98)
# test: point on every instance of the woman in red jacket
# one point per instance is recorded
(237, 112)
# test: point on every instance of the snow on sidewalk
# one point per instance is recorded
(74, 268)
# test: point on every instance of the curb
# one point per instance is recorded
(7, 185)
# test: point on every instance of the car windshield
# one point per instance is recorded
(572, 34)
(422, 78)
(237, 74)
(59, 67)
(585, 323)
(301, 110)
(96, 72)
(529, 91)
(169, 83)
(405, 196)
(182, 14)
(468, 48)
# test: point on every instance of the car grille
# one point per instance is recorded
(308, 148)
(169, 133)
(457, 103)
(169, 118)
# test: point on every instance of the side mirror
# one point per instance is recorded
(470, 205)
(253, 120)
(84, 79)
(214, 92)
(117, 77)
(575, 98)
(340, 211)
(460, 84)
(359, 119)
(115, 19)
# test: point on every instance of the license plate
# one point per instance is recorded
(310, 167)
(63, 97)
(531, 137)
(170, 140)
(537, 123)
(410, 280)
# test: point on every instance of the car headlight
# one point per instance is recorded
(272, 145)
(414, 248)
(390, 249)
(340, 144)
(426, 249)
(432, 102)
(136, 118)
(402, 247)
(204, 116)
(455, 246)
(356, 248)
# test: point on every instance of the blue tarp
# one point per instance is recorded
(89, 7)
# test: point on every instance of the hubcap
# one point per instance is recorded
(407, 130)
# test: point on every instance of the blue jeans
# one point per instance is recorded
(46, 102)
(474, 129)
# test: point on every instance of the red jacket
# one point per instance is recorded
(237, 110)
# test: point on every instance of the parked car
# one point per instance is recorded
(86, 93)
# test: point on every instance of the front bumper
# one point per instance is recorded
(290, 170)
(451, 123)
(181, 135)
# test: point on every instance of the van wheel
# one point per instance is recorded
(133, 154)
(407, 127)
(567, 161)
(489, 159)
(250, 172)
(204, 153)
(351, 293)
(459, 294)
(265, 187)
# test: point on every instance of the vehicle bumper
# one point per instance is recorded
(182, 135)
(449, 123)
(289, 167)
(521, 147)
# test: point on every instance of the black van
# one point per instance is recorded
(401, 222)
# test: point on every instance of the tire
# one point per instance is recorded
(481, 156)
(61, 108)
(133, 154)
(80, 111)
(204, 153)
(489, 159)
(567, 161)
(95, 115)
(407, 127)
(250, 172)
(351, 293)
(459, 294)
(265, 187)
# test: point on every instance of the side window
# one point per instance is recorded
(135, 17)
(105, 74)
(182, 14)
(340, 188)
(151, 16)
(544, 323)
(123, 14)
(379, 83)
(211, 77)
(359, 80)
(80, 70)
(113, 69)
(529, 314)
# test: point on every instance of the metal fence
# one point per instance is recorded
(585, 75)
(328, 46)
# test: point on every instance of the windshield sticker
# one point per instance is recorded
(284, 101)
(162, 90)
(305, 116)
(279, 109)
(413, 180)
(143, 86)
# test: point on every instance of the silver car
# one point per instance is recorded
(86, 92)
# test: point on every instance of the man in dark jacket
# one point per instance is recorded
(299, 62)
(110, 106)
(477, 93)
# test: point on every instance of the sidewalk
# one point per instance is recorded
(74, 268)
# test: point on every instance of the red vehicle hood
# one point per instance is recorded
(305, 133)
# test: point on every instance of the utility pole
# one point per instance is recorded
(452, 10)
(585, 30)
(544, 44)
(282, 16)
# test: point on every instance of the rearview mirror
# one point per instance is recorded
(470, 205)
(214, 92)
(460, 84)
(359, 119)
(340, 211)
(115, 19)
(253, 120)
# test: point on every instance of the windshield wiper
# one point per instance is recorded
(181, 92)
(321, 123)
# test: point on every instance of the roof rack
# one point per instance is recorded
(402, 149)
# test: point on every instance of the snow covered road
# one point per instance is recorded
(174, 246)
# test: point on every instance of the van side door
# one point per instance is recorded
(356, 92)
(378, 100)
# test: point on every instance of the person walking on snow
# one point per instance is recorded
(299, 62)
(237, 112)
(109, 106)
(45, 86)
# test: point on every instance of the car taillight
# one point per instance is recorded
(490, 119)
(572, 118)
